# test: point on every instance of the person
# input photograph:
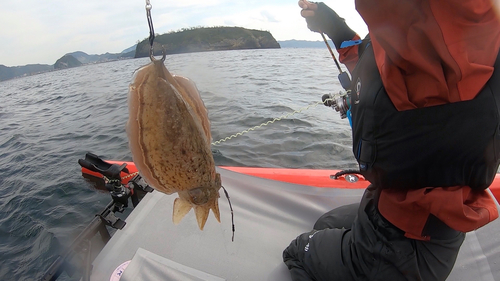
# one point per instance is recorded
(425, 103)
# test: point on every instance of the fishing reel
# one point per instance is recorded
(340, 103)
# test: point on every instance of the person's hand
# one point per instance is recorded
(308, 8)
(309, 13)
(321, 18)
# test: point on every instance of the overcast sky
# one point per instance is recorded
(42, 31)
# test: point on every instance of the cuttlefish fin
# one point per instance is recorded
(181, 208)
(193, 98)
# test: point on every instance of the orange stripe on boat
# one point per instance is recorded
(311, 177)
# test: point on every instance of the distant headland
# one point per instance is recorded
(187, 40)
(203, 39)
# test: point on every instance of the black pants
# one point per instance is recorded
(354, 242)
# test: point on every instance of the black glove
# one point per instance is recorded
(327, 21)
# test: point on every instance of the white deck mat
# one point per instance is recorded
(268, 215)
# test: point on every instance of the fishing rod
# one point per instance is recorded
(331, 52)
(344, 79)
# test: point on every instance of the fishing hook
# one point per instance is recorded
(151, 29)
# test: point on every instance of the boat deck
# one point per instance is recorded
(267, 215)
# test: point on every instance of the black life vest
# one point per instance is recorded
(455, 144)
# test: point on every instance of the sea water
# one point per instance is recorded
(49, 121)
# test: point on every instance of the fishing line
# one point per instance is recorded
(272, 121)
(130, 175)
(344, 81)
(151, 29)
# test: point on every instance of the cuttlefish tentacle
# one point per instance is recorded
(181, 208)
(215, 209)
(202, 200)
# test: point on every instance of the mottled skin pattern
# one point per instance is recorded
(169, 137)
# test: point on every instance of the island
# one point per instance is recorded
(203, 39)
(67, 61)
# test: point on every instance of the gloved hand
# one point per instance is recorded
(320, 18)
(309, 13)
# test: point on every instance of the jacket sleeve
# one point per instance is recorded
(349, 56)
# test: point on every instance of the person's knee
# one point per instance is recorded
(317, 254)
(294, 255)
(341, 217)
(297, 248)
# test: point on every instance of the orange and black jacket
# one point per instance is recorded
(425, 100)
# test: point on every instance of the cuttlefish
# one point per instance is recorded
(169, 137)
